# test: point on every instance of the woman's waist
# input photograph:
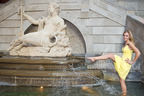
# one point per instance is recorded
(126, 56)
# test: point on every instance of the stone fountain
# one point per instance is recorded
(44, 57)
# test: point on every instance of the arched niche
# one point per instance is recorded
(77, 42)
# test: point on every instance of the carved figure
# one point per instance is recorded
(51, 32)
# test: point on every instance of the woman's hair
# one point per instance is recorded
(130, 35)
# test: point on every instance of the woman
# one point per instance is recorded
(122, 65)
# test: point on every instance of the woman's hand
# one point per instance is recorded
(128, 61)
(91, 58)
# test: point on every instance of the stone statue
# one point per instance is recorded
(50, 39)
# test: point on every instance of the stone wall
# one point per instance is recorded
(136, 25)
(133, 6)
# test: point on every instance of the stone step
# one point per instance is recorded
(40, 63)
(50, 78)
(24, 81)
(35, 67)
(112, 12)
(39, 60)
(36, 73)
(9, 9)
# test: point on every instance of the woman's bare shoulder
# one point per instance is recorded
(131, 44)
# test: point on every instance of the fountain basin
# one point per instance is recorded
(46, 71)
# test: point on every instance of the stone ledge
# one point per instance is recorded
(137, 19)
(37, 60)
(49, 78)
(142, 79)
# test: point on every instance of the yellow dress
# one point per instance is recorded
(120, 64)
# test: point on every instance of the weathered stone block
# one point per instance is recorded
(113, 39)
(77, 13)
(84, 1)
(118, 47)
(108, 30)
(35, 15)
(9, 31)
(95, 15)
(98, 39)
(6, 39)
(10, 24)
(57, 1)
(89, 43)
(4, 46)
(101, 22)
(36, 7)
(71, 7)
(104, 47)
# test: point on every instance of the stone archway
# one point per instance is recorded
(77, 42)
